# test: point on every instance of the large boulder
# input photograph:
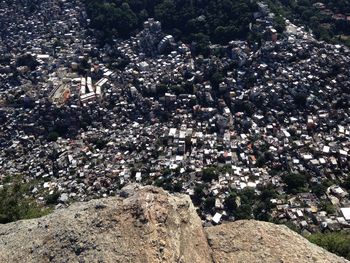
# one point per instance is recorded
(147, 224)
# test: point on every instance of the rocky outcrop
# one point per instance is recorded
(255, 242)
(149, 225)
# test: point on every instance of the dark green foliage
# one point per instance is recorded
(215, 79)
(327, 206)
(246, 198)
(244, 212)
(100, 144)
(267, 192)
(112, 17)
(161, 89)
(209, 203)
(335, 242)
(295, 182)
(198, 194)
(201, 43)
(167, 183)
(243, 106)
(177, 187)
(27, 60)
(230, 202)
(346, 183)
(291, 226)
(280, 24)
(15, 204)
(190, 20)
(318, 189)
(177, 89)
(52, 199)
(263, 158)
(322, 25)
(300, 99)
(263, 205)
(52, 136)
(209, 174)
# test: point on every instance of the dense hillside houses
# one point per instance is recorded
(250, 128)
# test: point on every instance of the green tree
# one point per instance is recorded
(209, 174)
(209, 203)
(280, 24)
(346, 183)
(240, 204)
(218, 21)
(15, 204)
(327, 206)
(198, 194)
(52, 199)
(244, 211)
(318, 189)
(52, 136)
(335, 242)
(295, 182)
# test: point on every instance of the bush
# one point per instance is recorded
(300, 99)
(168, 184)
(247, 199)
(209, 203)
(209, 174)
(295, 182)
(336, 242)
(16, 205)
(52, 136)
(198, 194)
(346, 183)
(53, 198)
(27, 60)
(328, 207)
(318, 189)
(244, 212)
(177, 187)
(230, 202)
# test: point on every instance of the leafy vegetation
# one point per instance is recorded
(327, 206)
(246, 204)
(16, 203)
(322, 24)
(167, 183)
(27, 60)
(295, 182)
(210, 174)
(335, 242)
(189, 20)
(52, 136)
(346, 183)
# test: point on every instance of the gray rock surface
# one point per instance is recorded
(255, 242)
(149, 225)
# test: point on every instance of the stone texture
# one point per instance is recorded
(255, 242)
(149, 225)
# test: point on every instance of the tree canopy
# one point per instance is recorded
(322, 24)
(189, 20)
(16, 204)
(295, 182)
(335, 242)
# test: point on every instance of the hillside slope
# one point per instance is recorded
(149, 225)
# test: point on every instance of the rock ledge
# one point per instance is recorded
(149, 225)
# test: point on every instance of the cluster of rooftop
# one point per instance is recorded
(83, 120)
